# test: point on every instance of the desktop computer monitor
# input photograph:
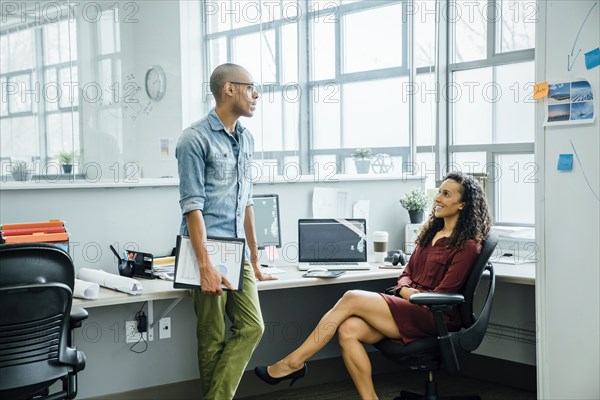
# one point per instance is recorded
(266, 220)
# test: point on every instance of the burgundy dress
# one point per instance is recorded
(431, 269)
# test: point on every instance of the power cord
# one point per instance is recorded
(142, 327)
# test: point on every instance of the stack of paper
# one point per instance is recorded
(164, 267)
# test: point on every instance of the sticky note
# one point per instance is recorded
(540, 90)
(565, 162)
(592, 58)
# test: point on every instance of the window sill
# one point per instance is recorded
(70, 183)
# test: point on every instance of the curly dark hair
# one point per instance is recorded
(474, 220)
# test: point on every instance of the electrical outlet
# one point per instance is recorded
(164, 328)
(131, 332)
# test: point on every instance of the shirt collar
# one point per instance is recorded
(217, 125)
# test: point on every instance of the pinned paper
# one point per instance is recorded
(540, 90)
(565, 162)
(592, 58)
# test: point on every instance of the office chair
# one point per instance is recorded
(37, 322)
(431, 353)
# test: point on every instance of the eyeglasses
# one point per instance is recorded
(250, 86)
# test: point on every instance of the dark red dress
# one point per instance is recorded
(431, 269)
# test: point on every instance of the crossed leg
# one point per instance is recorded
(359, 317)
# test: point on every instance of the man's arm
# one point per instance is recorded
(210, 278)
(250, 231)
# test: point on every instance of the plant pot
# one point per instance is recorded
(362, 166)
(67, 168)
(416, 217)
(21, 174)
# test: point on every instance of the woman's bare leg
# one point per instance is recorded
(369, 306)
(353, 332)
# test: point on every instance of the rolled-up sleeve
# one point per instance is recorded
(191, 168)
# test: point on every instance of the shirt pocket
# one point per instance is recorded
(247, 167)
(221, 167)
(436, 269)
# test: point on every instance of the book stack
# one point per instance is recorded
(53, 232)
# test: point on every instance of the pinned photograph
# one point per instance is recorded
(570, 103)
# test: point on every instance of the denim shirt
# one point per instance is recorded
(215, 175)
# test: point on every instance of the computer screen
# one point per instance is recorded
(266, 220)
(337, 240)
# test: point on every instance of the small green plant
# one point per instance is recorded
(362, 153)
(415, 200)
(66, 157)
(21, 172)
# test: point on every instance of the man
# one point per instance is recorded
(214, 157)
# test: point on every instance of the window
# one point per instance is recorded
(39, 113)
(329, 84)
(491, 76)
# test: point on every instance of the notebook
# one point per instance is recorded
(336, 244)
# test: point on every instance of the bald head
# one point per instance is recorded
(224, 73)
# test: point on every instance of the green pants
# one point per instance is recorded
(222, 360)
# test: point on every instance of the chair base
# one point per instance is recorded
(405, 395)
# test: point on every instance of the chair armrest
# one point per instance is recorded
(437, 301)
(77, 316)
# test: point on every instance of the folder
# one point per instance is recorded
(52, 232)
(226, 255)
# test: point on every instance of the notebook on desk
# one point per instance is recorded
(335, 244)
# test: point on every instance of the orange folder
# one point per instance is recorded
(38, 225)
(37, 237)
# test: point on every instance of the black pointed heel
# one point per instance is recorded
(263, 374)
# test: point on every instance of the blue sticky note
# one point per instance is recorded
(565, 162)
(592, 58)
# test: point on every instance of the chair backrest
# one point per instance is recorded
(28, 263)
(36, 292)
(476, 326)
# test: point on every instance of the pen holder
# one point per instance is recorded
(126, 268)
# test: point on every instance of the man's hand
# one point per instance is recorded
(211, 281)
(264, 276)
(258, 272)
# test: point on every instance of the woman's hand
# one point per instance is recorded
(406, 292)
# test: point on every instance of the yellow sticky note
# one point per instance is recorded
(540, 90)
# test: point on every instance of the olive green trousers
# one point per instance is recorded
(222, 357)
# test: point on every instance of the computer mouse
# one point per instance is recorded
(317, 269)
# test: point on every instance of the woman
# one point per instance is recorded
(447, 246)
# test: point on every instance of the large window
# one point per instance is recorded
(436, 85)
(334, 73)
(39, 113)
(490, 105)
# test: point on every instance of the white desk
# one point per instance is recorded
(158, 289)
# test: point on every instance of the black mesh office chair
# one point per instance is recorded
(432, 353)
(36, 322)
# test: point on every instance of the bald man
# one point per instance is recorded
(214, 157)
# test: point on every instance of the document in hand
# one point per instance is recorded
(226, 255)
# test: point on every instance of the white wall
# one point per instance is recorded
(568, 214)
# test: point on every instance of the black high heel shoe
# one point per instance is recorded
(263, 374)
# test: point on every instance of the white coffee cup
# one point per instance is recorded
(380, 245)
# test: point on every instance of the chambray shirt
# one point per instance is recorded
(215, 175)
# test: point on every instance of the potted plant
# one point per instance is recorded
(21, 171)
(415, 201)
(362, 159)
(66, 160)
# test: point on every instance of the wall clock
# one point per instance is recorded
(156, 82)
